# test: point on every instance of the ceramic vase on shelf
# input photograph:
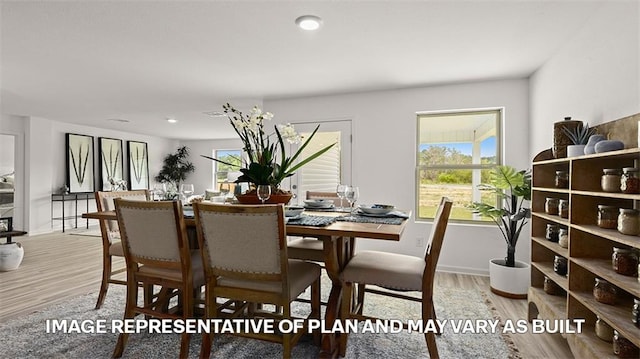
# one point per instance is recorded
(560, 139)
(575, 150)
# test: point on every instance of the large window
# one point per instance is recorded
(455, 152)
(224, 175)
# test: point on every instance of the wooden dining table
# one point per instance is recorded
(338, 240)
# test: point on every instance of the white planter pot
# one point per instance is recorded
(510, 282)
(10, 256)
(575, 150)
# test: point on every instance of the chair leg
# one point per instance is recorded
(345, 314)
(129, 313)
(428, 312)
(210, 312)
(106, 276)
(315, 309)
(433, 316)
(187, 312)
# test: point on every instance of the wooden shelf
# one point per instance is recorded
(610, 234)
(546, 268)
(590, 248)
(553, 246)
(618, 316)
(602, 268)
(552, 306)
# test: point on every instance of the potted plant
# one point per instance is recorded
(508, 277)
(267, 162)
(579, 136)
(175, 169)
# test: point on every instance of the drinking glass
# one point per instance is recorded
(351, 194)
(340, 191)
(159, 189)
(264, 192)
(187, 190)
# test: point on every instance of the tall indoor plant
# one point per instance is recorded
(513, 189)
(267, 162)
(174, 170)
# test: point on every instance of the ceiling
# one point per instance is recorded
(100, 63)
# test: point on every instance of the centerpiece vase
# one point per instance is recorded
(276, 198)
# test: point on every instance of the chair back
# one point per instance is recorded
(153, 234)
(432, 252)
(104, 202)
(324, 195)
(240, 241)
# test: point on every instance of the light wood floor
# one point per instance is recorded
(60, 266)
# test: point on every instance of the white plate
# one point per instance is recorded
(318, 203)
(379, 215)
(376, 208)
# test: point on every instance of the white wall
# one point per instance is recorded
(595, 77)
(45, 163)
(384, 152)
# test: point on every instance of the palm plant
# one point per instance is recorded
(513, 188)
(579, 135)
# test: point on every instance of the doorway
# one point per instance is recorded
(324, 173)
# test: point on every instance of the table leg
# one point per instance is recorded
(336, 257)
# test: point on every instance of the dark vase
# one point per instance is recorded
(560, 139)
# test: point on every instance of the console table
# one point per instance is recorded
(73, 198)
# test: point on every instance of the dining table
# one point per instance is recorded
(338, 237)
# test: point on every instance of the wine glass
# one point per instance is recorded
(340, 191)
(351, 194)
(187, 190)
(264, 192)
(159, 189)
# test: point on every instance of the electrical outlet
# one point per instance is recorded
(419, 241)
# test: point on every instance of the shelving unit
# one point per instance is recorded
(73, 198)
(589, 252)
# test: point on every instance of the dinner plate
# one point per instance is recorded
(376, 208)
(318, 203)
(379, 215)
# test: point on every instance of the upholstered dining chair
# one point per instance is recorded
(245, 259)
(311, 248)
(398, 273)
(111, 245)
(157, 253)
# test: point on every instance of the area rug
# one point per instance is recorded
(26, 337)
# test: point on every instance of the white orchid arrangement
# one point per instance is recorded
(267, 162)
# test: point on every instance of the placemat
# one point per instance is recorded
(378, 220)
(315, 221)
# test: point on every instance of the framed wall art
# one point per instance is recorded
(138, 160)
(111, 163)
(80, 175)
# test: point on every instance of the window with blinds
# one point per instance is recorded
(323, 173)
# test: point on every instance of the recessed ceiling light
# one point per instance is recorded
(309, 22)
(171, 120)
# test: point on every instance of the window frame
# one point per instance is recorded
(500, 114)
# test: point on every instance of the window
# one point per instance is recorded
(456, 150)
(223, 175)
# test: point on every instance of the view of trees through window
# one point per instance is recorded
(222, 170)
(456, 151)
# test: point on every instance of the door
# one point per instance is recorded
(333, 167)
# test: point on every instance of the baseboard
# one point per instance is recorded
(463, 270)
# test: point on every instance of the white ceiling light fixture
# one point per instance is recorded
(171, 120)
(309, 22)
